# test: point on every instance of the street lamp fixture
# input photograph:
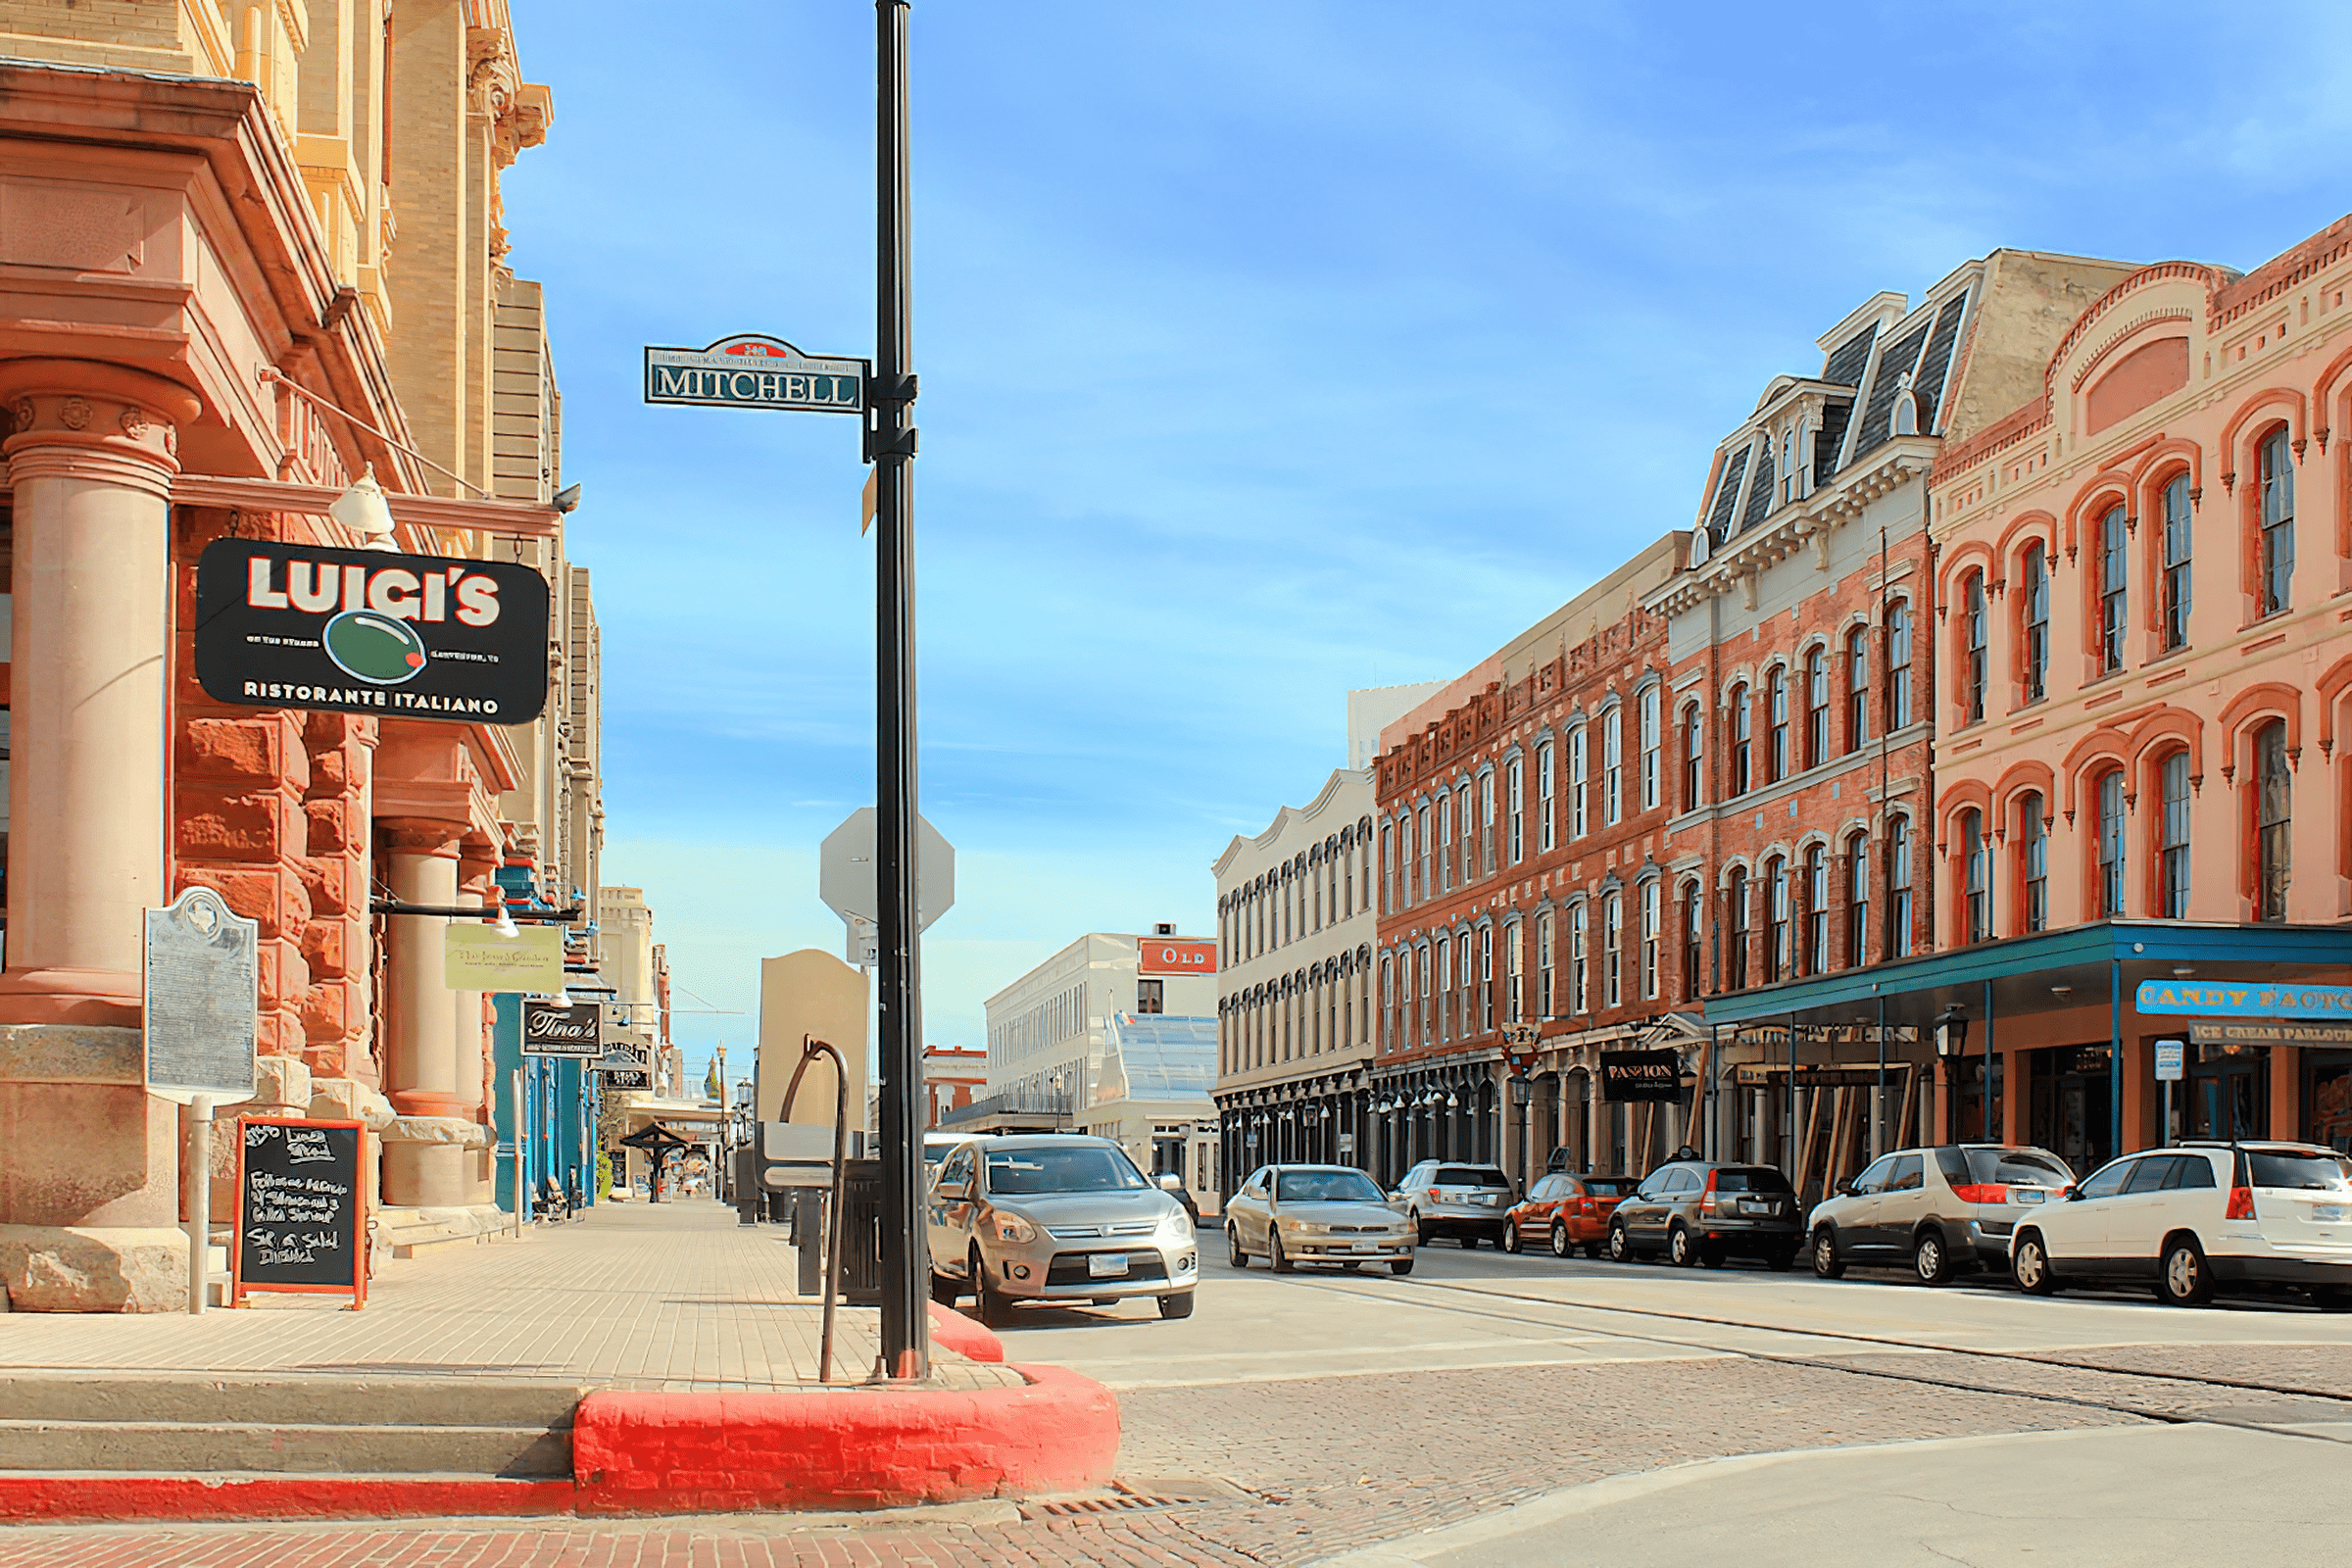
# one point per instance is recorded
(363, 511)
(1523, 1091)
(1951, 1032)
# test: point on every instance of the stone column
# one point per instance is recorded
(89, 1188)
(425, 1163)
(470, 1035)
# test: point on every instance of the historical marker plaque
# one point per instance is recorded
(202, 991)
(301, 1208)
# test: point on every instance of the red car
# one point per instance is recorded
(1565, 1212)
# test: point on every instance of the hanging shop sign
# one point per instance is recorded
(631, 1078)
(366, 631)
(562, 1029)
(1642, 1076)
(751, 371)
(480, 958)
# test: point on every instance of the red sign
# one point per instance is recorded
(1169, 955)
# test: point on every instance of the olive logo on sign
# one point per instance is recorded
(366, 645)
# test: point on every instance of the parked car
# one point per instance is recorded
(1293, 1214)
(1942, 1210)
(2199, 1217)
(1055, 1217)
(1697, 1211)
(1445, 1197)
(1565, 1212)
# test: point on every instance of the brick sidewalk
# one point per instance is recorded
(673, 1297)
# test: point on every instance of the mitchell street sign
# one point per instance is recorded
(753, 371)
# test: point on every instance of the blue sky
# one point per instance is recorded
(1268, 350)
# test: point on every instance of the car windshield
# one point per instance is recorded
(1326, 1187)
(1756, 1179)
(1470, 1176)
(1061, 1170)
(2021, 1167)
(1609, 1186)
(2315, 1171)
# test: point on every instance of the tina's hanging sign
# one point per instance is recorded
(364, 631)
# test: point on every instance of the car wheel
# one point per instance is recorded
(1233, 1248)
(1420, 1232)
(996, 1308)
(1826, 1261)
(1621, 1245)
(1178, 1305)
(2183, 1277)
(1679, 1250)
(1402, 1267)
(2029, 1266)
(1928, 1259)
(1276, 1259)
(944, 1291)
(1512, 1241)
(1562, 1247)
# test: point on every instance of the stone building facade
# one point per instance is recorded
(1521, 816)
(1804, 641)
(203, 334)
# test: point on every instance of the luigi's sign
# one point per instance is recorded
(366, 631)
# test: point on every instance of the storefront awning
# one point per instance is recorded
(2097, 963)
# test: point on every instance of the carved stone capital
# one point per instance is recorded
(111, 421)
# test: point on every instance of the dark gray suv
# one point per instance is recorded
(1697, 1211)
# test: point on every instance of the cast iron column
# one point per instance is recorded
(906, 1265)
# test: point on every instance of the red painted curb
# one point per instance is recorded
(972, 1341)
(846, 1449)
(103, 1499)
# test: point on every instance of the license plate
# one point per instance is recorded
(1364, 1247)
(2027, 1195)
(1105, 1265)
(2331, 1213)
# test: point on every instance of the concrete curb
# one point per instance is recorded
(853, 1448)
(970, 1339)
(844, 1449)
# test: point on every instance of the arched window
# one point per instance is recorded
(1428, 888)
(1776, 696)
(1735, 894)
(1387, 868)
(1441, 955)
(1857, 900)
(1857, 688)
(1544, 997)
(1545, 838)
(1693, 950)
(1650, 895)
(1775, 942)
(1976, 891)
(1612, 950)
(1515, 802)
(1486, 827)
(1743, 756)
(2277, 522)
(2110, 790)
(1445, 838)
(1898, 665)
(1694, 746)
(2272, 813)
(1612, 767)
(1388, 1002)
(2172, 842)
(1817, 909)
(1973, 647)
(1898, 887)
(1817, 708)
(1577, 785)
(1485, 980)
(2178, 531)
(1650, 723)
(2115, 580)
(1514, 997)
(2037, 611)
(1424, 1024)
(1577, 995)
(2034, 861)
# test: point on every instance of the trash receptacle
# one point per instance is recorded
(861, 1233)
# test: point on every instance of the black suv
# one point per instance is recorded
(1697, 1211)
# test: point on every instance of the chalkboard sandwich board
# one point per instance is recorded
(301, 1208)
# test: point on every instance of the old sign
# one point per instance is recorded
(751, 371)
(477, 957)
(1174, 955)
(561, 1029)
(301, 1207)
(625, 1078)
(203, 979)
(1642, 1076)
(366, 631)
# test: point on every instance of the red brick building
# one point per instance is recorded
(1520, 816)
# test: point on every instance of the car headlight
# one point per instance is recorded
(1178, 1225)
(1301, 1227)
(1012, 1228)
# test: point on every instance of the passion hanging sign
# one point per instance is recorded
(366, 631)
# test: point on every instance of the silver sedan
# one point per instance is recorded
(1055, 1217)
(1292, 1214)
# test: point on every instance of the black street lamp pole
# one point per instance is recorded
(906, 1324)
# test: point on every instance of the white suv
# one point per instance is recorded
(2197, 1216)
